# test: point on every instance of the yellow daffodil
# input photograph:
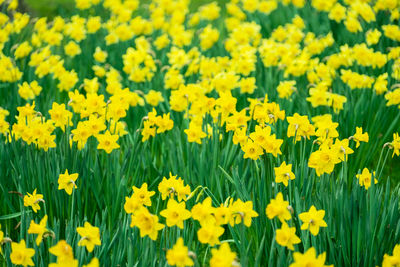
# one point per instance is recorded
(313, 220)
(67, 181)
(179, 255)
(90, 236)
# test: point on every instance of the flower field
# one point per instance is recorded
(199, 133)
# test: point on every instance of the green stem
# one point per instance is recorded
(72, 205)
(380, 158)
(384, 162)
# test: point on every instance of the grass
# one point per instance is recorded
(50, 8)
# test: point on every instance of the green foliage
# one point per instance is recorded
(362, 225)
(50, 8)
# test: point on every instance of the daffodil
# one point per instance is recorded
(223, 256)
(90, 236)
(173, 186)
(241, 212)
(142, 195)
(313, 220)
(195, 133)
(93, 263)
(284, 173)
(395, 144)
(359, 136)
(278, 207)
(252, 150)
(175, 213)
(107, 142)
(32, 200)
(179, 255)
(202, 212)
(21, 255)
(394, 259)
(309, 258)
(365, 178)
(62, 250)
(286, 236)
(39, 229)
(210, 232)
(147, 223)
(67, 181)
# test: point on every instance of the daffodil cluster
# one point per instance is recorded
(212, 220)
(288, 96)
